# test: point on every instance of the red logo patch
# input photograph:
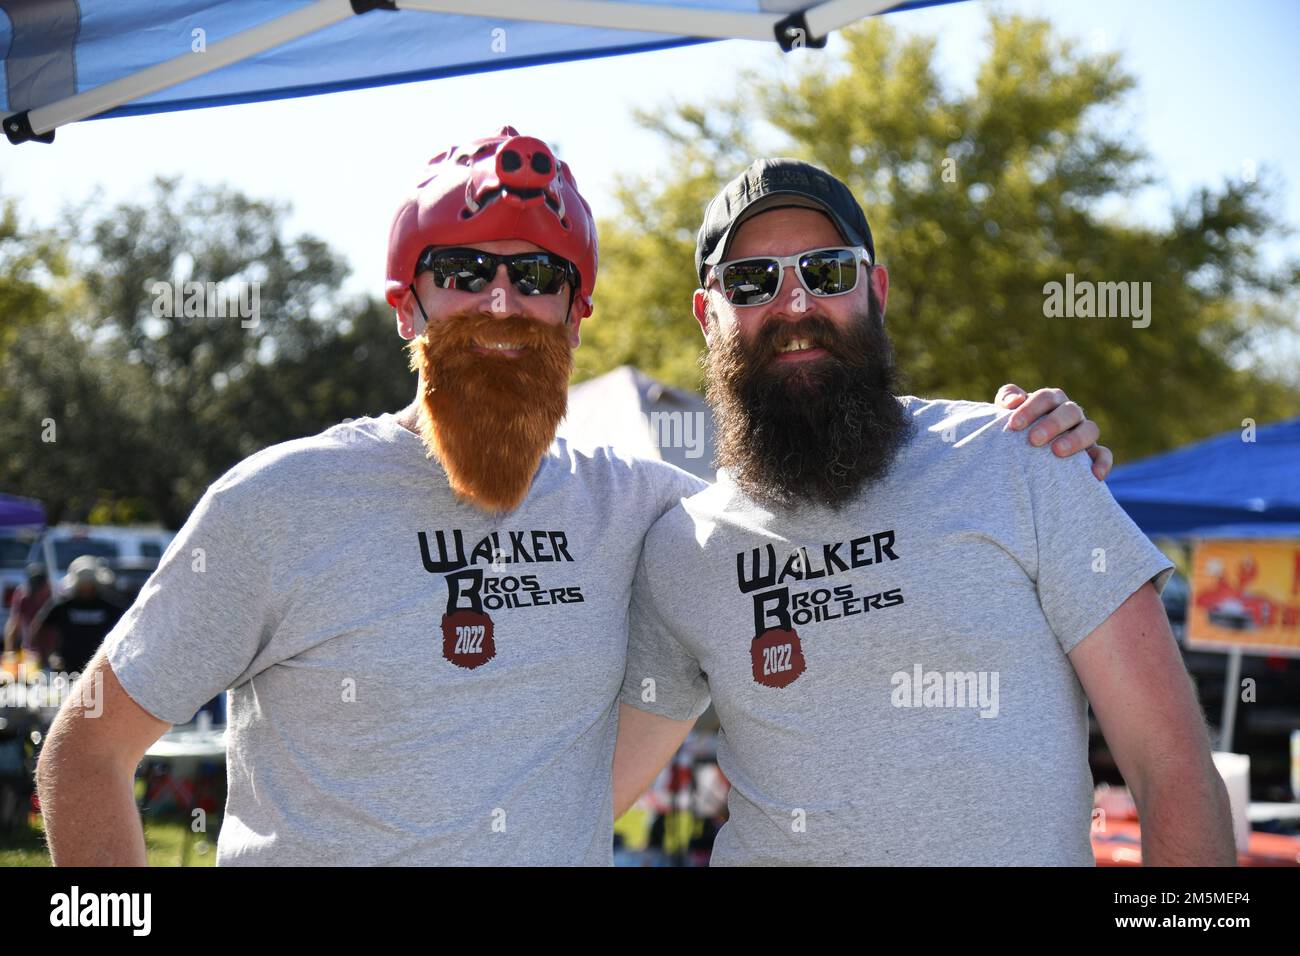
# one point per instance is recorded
(467, 639)
(778, 657)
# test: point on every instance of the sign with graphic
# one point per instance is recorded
(1246, 594)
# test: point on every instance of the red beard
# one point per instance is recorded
(489, 419)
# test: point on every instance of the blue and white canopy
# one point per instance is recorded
(69, 60)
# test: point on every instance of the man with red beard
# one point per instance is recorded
(421, 618)
(900, 610)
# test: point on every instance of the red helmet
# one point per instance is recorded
(506, 186)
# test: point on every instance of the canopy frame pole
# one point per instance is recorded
(820, 18)
(636, 17)
(39, 123)
(1231, 688)
(823, 18)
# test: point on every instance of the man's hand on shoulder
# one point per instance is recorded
(1056, 419)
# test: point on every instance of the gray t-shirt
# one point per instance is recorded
(411, 680)
(892, 679)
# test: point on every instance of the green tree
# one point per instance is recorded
(977, 199)
(32, 271)
(147, 405)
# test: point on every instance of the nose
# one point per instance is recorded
(791, 300)
(500, 298)
(524, 162)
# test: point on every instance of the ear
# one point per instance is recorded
(409, 322)
(575, 321)
(699, 306)
(880, 283)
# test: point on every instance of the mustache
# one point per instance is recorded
(846, 346)
(817, 329)
(463, 329)
(444, 352)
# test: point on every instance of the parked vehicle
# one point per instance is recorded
(61, 544)
(130, 575)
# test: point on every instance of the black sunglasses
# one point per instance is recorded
(470, 270)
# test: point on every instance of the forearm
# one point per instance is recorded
(632, 777)
(645, 744)
(1185, 818)
(90, 813)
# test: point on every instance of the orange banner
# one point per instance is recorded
(1246, 594)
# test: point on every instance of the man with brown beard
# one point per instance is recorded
(900, 610)
(421, 617)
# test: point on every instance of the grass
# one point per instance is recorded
(165, 839)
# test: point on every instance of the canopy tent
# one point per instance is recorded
(21, 512)
(628, 410)
(68, 60)
(1224, 480)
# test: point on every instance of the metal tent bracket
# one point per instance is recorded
(18, 127)
(792, 32)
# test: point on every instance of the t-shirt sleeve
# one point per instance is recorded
(1091, 556)
(202, 617)
(662, 676)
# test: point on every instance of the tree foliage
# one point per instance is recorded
(977, 199)
(146, 405)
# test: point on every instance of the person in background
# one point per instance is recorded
(82, 617)
(27, 601)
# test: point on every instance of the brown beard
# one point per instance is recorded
(489, 419)
(811, 434)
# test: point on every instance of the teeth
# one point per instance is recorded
(501, 346)
(796, 345)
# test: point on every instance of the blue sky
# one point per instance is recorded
(1215, 98)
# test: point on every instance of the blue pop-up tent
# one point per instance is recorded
(16, 511)
(1236, 478)
(68, 60)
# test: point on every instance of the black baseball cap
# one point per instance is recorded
(772, 184)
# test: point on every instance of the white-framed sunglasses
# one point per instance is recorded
(756, 280)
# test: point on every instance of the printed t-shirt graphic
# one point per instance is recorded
(468, 636)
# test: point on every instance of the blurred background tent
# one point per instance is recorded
(16, 510)
(629, 410)
(1249, 476)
